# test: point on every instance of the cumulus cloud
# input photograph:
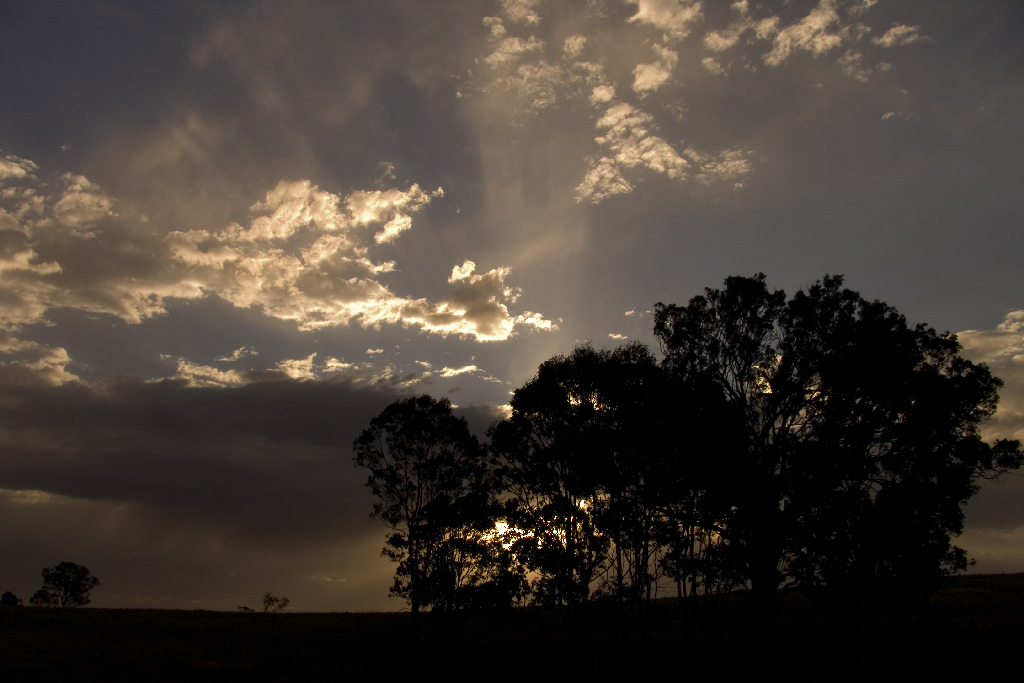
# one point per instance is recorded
(730, 166)
(996, 514)
(627, 141)
(1004, 342)
(540, 70)
(713, 65)
(816, 33)
(389, 375)
(631, 144)
(742, 23)
(830, 26)
(476, 306)
(900, 34)
(519, 67)
(15, 167)
(507, 50)
(30, 363)
(650, 77)
(521, 11)
(304, 256)
(195, 375)
(300, 369)
(82, 205)
(1002, 348)
(239, 354)
(675, 17)
(66, 245)
(627, 134)
(454, 372)
(573, 46)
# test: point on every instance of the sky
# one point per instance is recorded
(232, 232)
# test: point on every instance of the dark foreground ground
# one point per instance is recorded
(971, 630)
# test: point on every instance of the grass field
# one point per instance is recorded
(969, 630)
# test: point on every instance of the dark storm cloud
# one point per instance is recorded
(270, 459)
(147, 482)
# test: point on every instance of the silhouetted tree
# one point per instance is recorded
(66, 585)
(578, 461)
(9, 599)
(859, 434)
(272, 603)
(43, 598)
(692, 502)
(470, 566)
(424, 464)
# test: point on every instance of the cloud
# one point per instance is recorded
(729, 166)
(82, 205)
(626, 132)
(507, 50)
(15, 167)
(304, 256)
(743, 22)
(650, 77)
(830, 26)
(900, 34)
(816, 33)
(166, 443)
(627, 136)
(387, 375)
(521, 11)
(1004, 342)
(1002, 348)
(675, 17)
(602, 94)
(298, 369)
(573, 46)
(627, 141)
(540, 84)
(195, 375)
(239, 354)
(75, 250)
(30, 363)
(477, 306)
(193, 481)
(454, 372)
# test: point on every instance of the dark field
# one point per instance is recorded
(970, 630)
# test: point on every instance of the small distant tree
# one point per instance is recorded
(66, 585)
(274, 604)
(9, 599)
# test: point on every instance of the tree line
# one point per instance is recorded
(64, 585)
(815, 442)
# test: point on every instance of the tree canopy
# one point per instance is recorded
(817, 442)
(861, 438)
(426, 470)
(66, 585)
